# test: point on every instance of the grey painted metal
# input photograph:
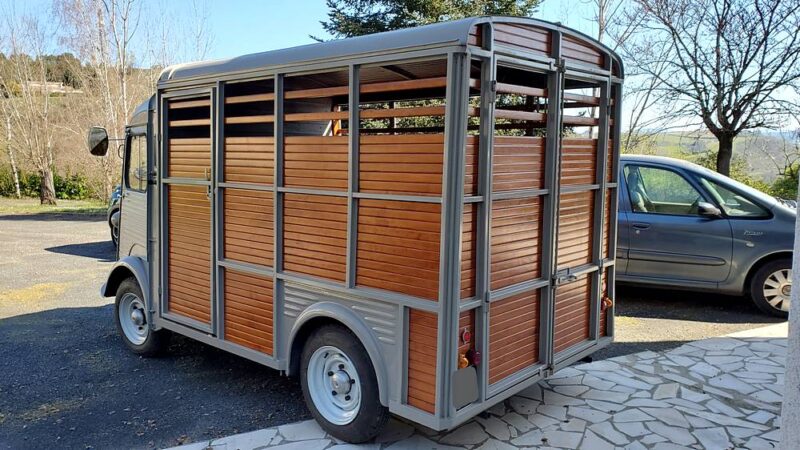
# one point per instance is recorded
(525, 286)
(453, 33)
(218, 210)
(600, 209)
(247, 267)
(310, 191)
(278, 328)
(523, 193)
(248, 186)
(353, 138)
(399, 198)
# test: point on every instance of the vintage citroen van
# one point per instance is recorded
(417, 223)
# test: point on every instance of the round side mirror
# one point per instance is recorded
(98, 141)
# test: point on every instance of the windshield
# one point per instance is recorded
(753, 195)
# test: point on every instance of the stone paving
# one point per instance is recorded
(717, 393)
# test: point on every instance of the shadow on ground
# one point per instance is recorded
(55, 216)
(103, 251)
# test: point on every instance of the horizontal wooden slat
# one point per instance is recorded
(398, 247)
(315, 219)
(578, 161)
(514, 334)
(189, 158)
(506, 88)
(522, 38)
(572, 314)
(177, 104)
(520, 115)
(308, 162)
(249, 310)
(575, 222)
(248, 226)
(515, 241)
(422, 336)
(518, 163)
(249, 160)
(581, 52)
(387, 164)
(190, 123)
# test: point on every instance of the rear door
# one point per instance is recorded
(668, 240)
(187, 196)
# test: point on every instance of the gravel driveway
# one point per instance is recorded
(66, 380)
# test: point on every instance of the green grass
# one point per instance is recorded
(31, 206)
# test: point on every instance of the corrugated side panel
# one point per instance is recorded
(575, 223)
(398, 247)
(523, 38)
(513, 334)
(189, 266)
(189, 158)
(315, 235)
(578, 161)
(315, 162)
(249, 160)
(572, 313)
(515, 241)
(582, 52)
(401, 164)
(422, 342)
(518, 163)
(469, 241)
(471, 167)
(248, 310)
(249, 226)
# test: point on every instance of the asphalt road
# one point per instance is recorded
(66, 380)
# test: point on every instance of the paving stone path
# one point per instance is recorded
(717, 393)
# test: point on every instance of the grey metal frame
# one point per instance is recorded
(449, 305)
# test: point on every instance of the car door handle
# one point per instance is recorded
(640, 226)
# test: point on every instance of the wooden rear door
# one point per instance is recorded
(187, 225)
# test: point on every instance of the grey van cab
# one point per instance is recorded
(686, 227)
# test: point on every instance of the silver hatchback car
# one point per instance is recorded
(686, 227)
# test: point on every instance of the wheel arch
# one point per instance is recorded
(760, 263)
(325, 313)
(130, 266)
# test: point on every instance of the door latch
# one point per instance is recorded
(565, 279)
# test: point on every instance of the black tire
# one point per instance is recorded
(757, 286)
(371, 416)
(156, 342)
(114, 236)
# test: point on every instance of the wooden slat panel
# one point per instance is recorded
(316, 162)
(611, 174)
(523, 38)
(249, 160)
(248, 227)
(572, 314)
(249, 310)
(471, 175)
(515, 242)
(398, 247)
(610, 193)
(388, 164)
(581, 52)
(513, 334)
(189, 263)
(469, 247)
(189, 158)
(518, 163)
(578, 161)
(575, 222)
(189, 104)
(422, 342)
(315, 235)
(476, 35)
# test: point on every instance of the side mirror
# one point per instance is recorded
(708, 210)
(98, 141)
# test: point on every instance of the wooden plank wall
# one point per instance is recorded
(578, 161)
(249, 160)
(401, 164)
(398, 247)
(248, 310)
(189, 262)
(422, 343)
(189, 158)
(315, 235)
(248, 226)
(572, 313)
(581, 52)
(471, 168)
(316, 162)
(518, 163)
(515, 236)
(523, 38)
(575, 219)
(513, 334)
(469, 247)
(610, 193)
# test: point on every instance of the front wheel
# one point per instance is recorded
(339, 385)
(771, 287)
(130, 317)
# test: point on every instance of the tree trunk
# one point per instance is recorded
(47, 190)
(724, 154)
(14, 170)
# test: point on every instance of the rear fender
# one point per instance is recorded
(124, 268)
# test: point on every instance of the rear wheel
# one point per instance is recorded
(771, 287)
(130, 316)
(340, 386)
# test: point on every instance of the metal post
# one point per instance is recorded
(217, 209)
(277, 201)
(599, 213)
(353, 138)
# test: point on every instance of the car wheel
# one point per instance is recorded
(130, 317)
(339, 385)
(771, 287)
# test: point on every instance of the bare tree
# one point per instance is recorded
(728, 63)
(29, 106)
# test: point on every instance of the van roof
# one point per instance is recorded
(454, 32)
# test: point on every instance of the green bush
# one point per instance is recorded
(68, 187)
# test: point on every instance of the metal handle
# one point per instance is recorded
(641, 226)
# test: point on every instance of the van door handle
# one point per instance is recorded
(641, 226)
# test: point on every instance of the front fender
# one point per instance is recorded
(339, 313)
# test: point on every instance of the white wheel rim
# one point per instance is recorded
(132, 318)
(778, 289)
(333, 385)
